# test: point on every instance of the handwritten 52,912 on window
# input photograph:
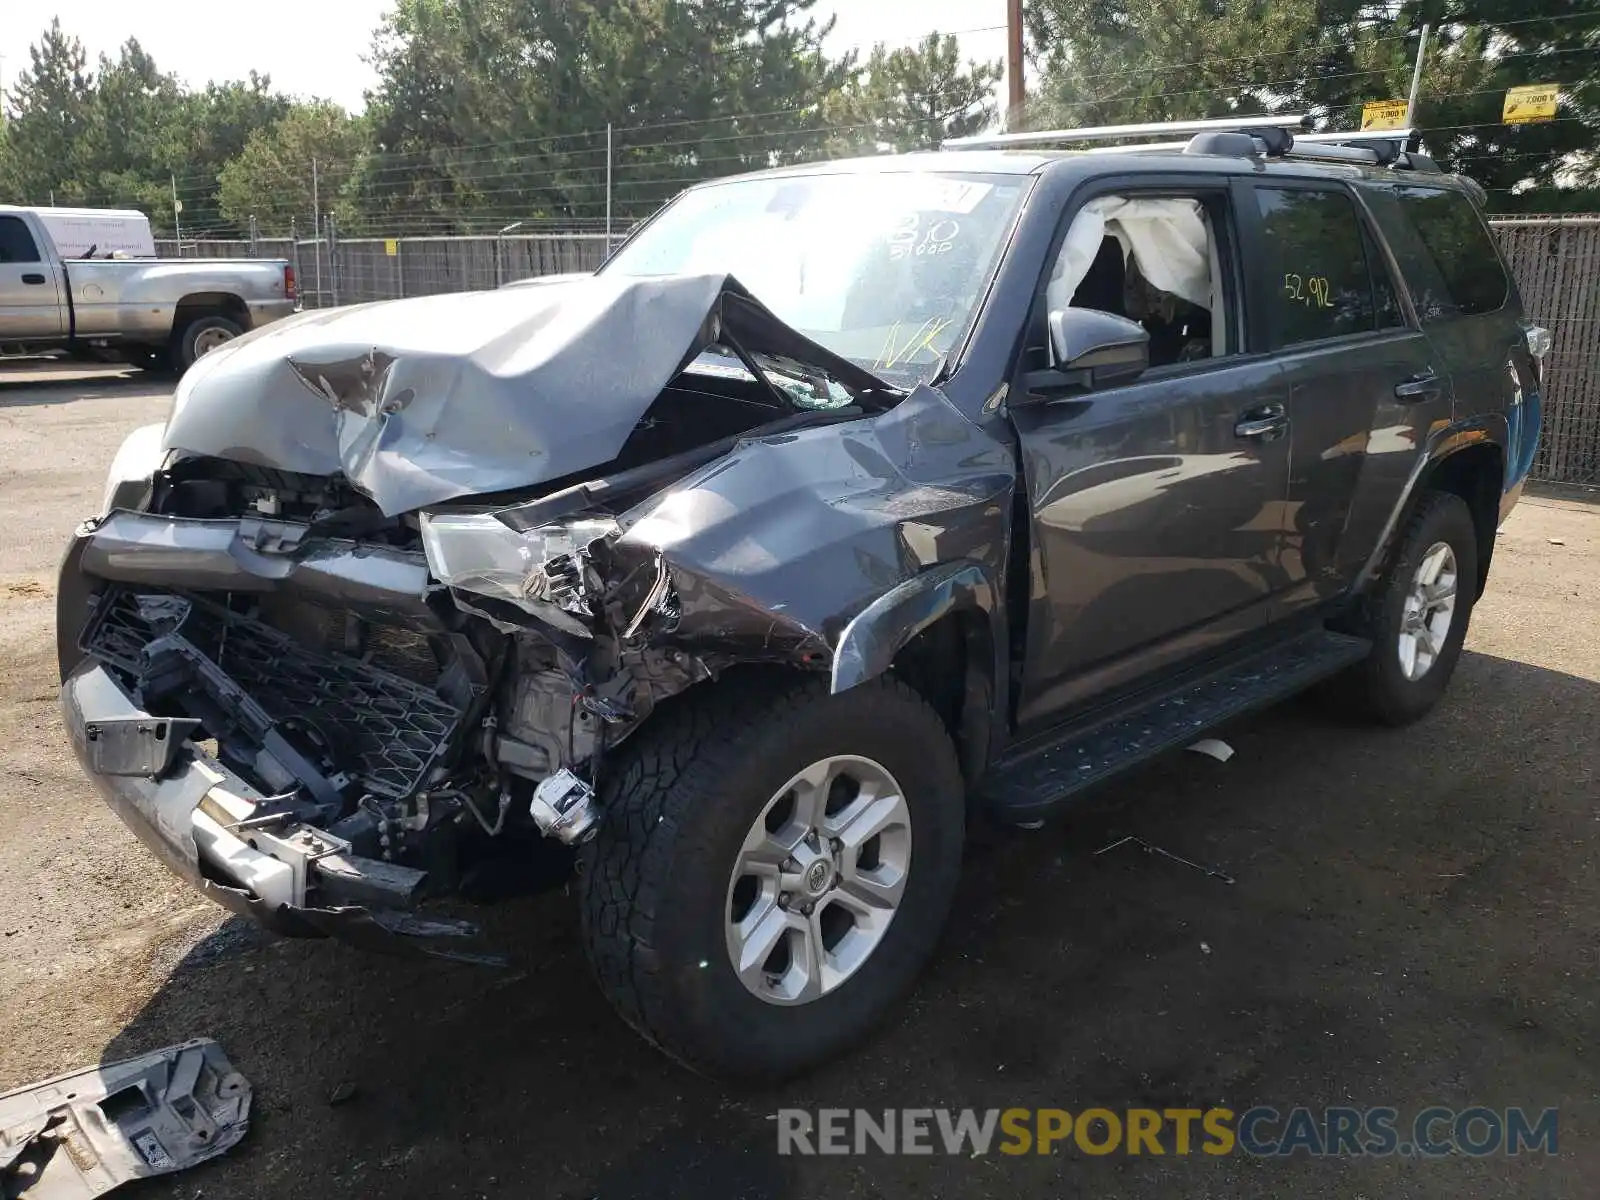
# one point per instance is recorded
(1313, 291)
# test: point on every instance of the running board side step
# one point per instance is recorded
(1038, 776)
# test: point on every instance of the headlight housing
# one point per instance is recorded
(137, 460)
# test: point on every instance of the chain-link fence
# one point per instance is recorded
(1556, 261)
(332, 270)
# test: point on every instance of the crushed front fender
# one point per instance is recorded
(786, 540)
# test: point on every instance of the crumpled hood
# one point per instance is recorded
(420, 401)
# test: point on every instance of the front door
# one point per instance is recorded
(31, 307)
(1157, 506)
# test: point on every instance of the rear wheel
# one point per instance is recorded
(1418, 615)
(773, 870)
(201, 336)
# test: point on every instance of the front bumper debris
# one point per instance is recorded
(77, 1136)
(254, 554)
(200, 819)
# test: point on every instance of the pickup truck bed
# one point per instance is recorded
(147, 309)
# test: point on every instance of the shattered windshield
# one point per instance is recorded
(883, 269)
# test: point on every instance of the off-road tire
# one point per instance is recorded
(681, 797)
(184, 351)
(1377, 688)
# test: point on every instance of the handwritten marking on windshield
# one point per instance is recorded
(921, 338)
(939, 238)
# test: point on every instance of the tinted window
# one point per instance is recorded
(1454, 234)
(16, 243)
(1316, 266)
(1384, 297)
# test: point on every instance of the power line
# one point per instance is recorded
(488, 174)
(1142, 70)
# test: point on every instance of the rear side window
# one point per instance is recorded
(1384, 297)
(1316, 265)
(1462, 250)
(16, 243)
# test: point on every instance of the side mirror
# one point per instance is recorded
(1104, 347)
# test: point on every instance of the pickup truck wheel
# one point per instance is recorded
(773, 868)
(1417, 616)
(200, 337)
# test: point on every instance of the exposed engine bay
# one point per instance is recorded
(377, 699)
(380, 693)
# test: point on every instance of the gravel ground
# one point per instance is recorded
(1413, 924)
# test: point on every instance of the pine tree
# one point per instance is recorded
(914, 98)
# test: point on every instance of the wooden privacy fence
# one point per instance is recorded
(1556, 261)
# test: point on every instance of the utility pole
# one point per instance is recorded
(1416, 80)
(316, 225)
(1018, 94)
(499, 252)
(608, 189)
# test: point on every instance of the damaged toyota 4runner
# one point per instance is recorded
(845, 505)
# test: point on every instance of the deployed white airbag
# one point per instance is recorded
(1166, 237)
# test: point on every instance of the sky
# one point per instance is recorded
(315, 47)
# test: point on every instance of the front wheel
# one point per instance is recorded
(774, 867)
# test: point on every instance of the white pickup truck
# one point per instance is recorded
(149, 311)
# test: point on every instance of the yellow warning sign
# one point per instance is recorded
(1536, 102)
(1381, 115)
(391, 247)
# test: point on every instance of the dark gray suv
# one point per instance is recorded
(847, 504)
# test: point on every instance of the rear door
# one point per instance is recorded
(1465, 299)
(31, 307)
(1364, 381)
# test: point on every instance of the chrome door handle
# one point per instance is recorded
(1426, 386)
(1268, 423)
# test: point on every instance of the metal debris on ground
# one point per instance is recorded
(1213, 748)
(79, 1135)
(1150, 848)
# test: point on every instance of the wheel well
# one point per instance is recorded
(209, 304)
(949, 665)
(1475, 474)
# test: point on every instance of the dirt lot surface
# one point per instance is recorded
(1413, 924)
